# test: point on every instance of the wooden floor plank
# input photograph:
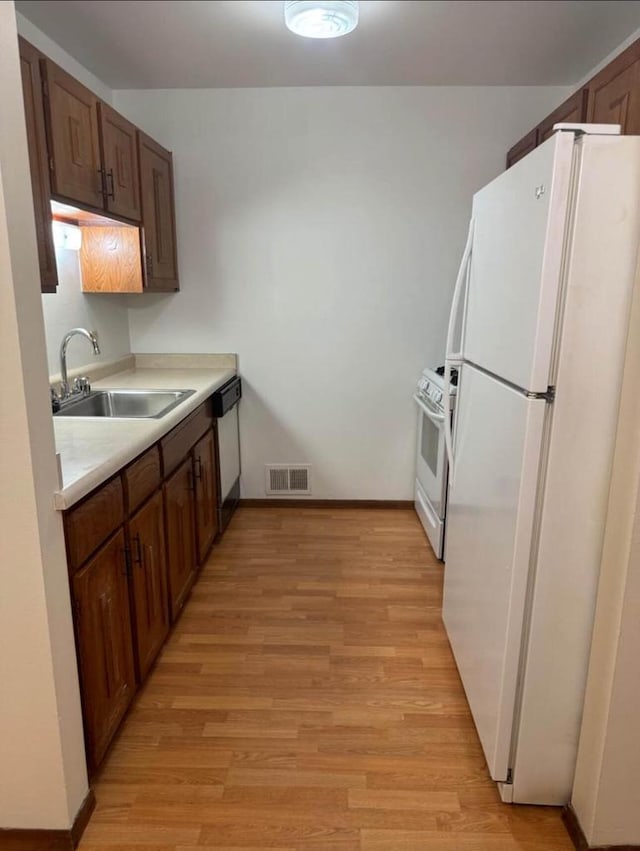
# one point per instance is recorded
(308, 700)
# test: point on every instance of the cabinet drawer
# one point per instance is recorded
(178, 442)
(88, 525)
(142, 477)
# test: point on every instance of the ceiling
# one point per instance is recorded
(230, 43)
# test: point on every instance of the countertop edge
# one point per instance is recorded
(67, 497)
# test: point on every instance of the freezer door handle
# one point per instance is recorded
(454, 358)
(457, 292)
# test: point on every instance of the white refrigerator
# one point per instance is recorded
(542, 299)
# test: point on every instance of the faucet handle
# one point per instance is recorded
(55, 401)
(81, 385)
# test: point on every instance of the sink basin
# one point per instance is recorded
(125, 404)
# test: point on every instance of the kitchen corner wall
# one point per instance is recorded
(69, 308)
(319, 233)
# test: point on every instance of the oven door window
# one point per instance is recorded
(430, 444)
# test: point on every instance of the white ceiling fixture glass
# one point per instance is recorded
(321, 18)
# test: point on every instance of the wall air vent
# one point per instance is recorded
(288, 479)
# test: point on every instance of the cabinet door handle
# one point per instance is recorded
(191, 481)
(197, 467)
(112, 193)
(138, 556)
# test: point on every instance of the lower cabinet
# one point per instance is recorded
(148, 582)
(105, 646)
(206, 497)
(133, 548)
(181, 551)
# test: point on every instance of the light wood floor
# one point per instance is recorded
(308, 701)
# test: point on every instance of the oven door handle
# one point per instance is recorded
(433, 415)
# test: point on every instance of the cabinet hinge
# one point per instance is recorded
(45, 88)
(51, 164)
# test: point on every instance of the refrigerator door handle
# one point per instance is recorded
(454, 358)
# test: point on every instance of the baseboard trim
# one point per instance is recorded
(325, 503)
(578, 838)
(17, 839)
(81, 820)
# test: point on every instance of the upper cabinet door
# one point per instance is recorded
(38, 163)
(72, 126)
(120, 161)
(614, 93)
(158, 215)
(523, 147)
(572, 111)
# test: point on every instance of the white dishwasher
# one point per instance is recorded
(225, 409)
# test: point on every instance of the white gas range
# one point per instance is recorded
(432, 467)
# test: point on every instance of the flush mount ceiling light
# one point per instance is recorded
(321, 18)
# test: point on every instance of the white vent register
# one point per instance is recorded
(284, 479)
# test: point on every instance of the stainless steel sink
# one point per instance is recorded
(125, 404)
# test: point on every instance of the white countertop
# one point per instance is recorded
(92, 449)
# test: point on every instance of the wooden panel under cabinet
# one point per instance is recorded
(614, 93)
(158, 215)
(148, 582)
(142, 477)
(179, 525)
(523, 147)
(572, 111)
(111, 259)
(105, 647)
(206, 493)
(92, 521)
(71, 111)
(120, 163)
(38, 163)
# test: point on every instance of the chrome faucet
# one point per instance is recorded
(80, 385)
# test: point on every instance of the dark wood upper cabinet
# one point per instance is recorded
(179, 524)
(74, 144)
(148, 582)
(611, 97)
(572, 111)
(523, 147)
(614, 93)
(120, 163)
(206, 478)
(38, 163)
(105, 647)
(84, 153)
(158, 215)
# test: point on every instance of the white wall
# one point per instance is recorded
(69, 308)
(43, 777)
(319, 232)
